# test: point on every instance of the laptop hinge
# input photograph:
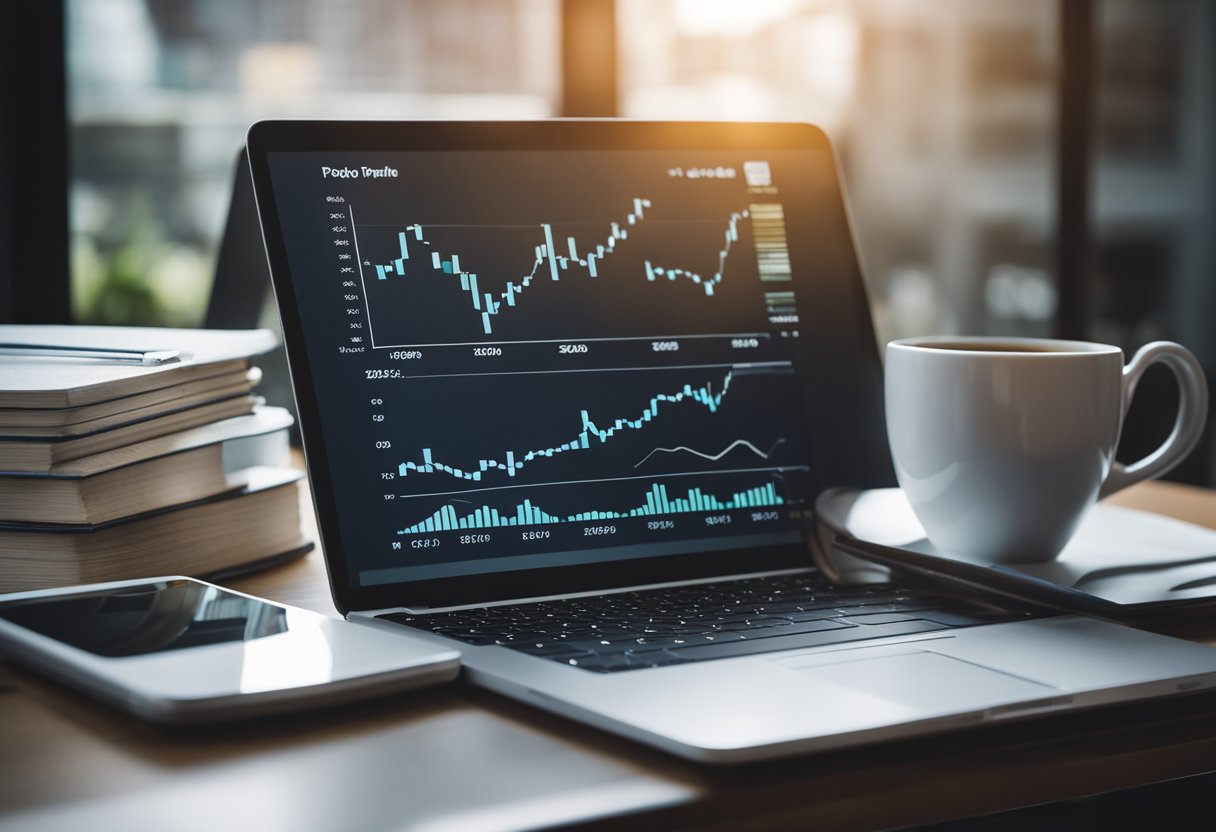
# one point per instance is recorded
(423, 609)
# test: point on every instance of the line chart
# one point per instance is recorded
(511, 461)
(419, 256)
(738, 443)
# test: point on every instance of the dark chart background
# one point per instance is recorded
(480, 414)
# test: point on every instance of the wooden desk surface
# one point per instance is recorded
(456, 758)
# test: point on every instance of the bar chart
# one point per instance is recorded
(657, 502)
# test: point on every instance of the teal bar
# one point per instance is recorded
(418, 232)
(400, 265)
(549, 250)
(405, 251)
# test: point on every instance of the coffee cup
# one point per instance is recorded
(1002, 444)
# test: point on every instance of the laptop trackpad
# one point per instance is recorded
(924, 680)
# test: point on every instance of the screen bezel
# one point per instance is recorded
(848, 446)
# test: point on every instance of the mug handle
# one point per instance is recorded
(1188, 426)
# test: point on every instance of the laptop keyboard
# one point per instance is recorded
(676, 625)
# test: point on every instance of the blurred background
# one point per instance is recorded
(1039, 167)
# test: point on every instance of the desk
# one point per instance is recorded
(456, 758)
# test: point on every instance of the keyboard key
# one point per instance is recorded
(753, 646)
(966, 618)
(814, 615)
(551, 650)
(804, 627)
(880, 617)
(620, 662)
(686, 641)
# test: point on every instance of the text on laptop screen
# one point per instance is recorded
(526, 360)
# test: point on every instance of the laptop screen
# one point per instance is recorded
(525, 359)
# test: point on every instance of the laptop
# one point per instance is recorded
(568, 390)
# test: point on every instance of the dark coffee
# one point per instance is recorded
(992, 346)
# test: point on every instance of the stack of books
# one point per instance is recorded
(130, 452)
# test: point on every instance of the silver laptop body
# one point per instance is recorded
(574, 359)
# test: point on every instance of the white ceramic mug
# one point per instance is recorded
(1003, 444)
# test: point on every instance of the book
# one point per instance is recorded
(134, 407)
(244, 529)
(194, 464)
(40, 454)
(118, 420)
(131, 451)
(50, 381)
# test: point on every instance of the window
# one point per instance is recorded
(161, 92)
(943, 114)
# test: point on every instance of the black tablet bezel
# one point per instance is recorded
(848, 440)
